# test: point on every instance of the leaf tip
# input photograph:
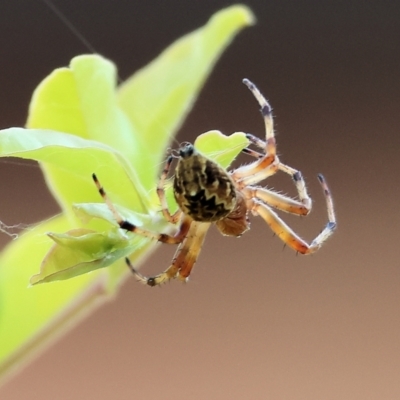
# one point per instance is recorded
(241, 13)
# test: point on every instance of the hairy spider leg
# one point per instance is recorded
(252, 153)
(266, 112)
(128, 226)
(300, 184)
(185, 257)
(173, 218)
(266, 165)
(287, 235)
(297, 176)
(276, 200)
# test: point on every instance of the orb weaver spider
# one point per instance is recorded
(206, 193)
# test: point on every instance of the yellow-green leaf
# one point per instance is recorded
(83, 126)
(78, 158)
(221, 148)
(29, 316)
(82, 250)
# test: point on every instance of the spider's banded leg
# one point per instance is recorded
(287, 235)
(266, 111)
(191, 248)
(299, 183)
(328, 199)
(267, 164)
(128, 226)
(173, 218)
(256, 141)
(256, 171)
(252, 153)
(276, 200)
(296, 175)
(169, 273)
(184, 259)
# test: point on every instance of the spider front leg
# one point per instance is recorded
(267, 164)
(184, 259)
(128, 226)
(287, 235)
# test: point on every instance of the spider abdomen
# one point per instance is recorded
(202, 189)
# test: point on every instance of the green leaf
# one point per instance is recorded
(78, 158)
(81, 100)
(221, 148)
(81, 250)
(122, 138)
(29, 316)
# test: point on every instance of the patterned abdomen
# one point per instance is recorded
(202, 189)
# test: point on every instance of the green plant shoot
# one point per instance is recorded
(79, 123)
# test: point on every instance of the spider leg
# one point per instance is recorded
(267, 164)
(128, 226)
(257, 171)
(299, 183)
(252, 153)
(296, 175)
(184, 259)
(266, 111)
(287, 235)
(276, 200)
(173, 218)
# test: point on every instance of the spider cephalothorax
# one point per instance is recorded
(206, 193)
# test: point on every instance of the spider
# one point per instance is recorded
(206, 193)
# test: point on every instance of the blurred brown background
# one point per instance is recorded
(255, 322)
